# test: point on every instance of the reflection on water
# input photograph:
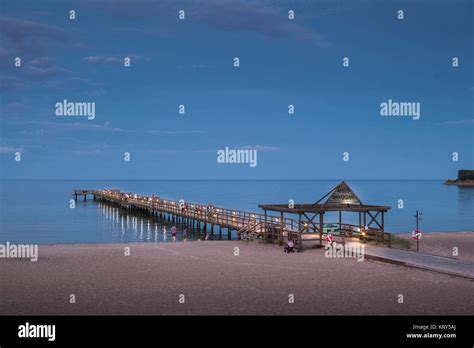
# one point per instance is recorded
(466, 202)
(125, 226)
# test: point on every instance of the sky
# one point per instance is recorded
(191, 62)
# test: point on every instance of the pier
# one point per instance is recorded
(305, 225)
(219, 222)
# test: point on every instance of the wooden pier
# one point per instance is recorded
(250, 225)
(199, 217)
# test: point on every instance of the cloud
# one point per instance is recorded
(42, 68)
(3, 53)
(95, 149)
(193, 66)
(10, 149)
(256, 17)
(154, 31)
(38, 69)
(114, 60)
(94, 93)
(83, 126)
(42, 62)
(102, 60)
(12, 84)
(165, 151)
(12, 110)
(262, 148)
(174, 132)
(106, 127)
(74, 82)
(29, 39)
(42, 13)
(264, 18)
(469, 122)
(259, 148)
(34, 132)
(23, 37)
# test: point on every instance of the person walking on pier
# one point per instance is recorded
(173, 233)
(210, 208)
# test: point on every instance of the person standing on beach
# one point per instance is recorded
(164, 233)
(173, 233)
(185, 234)
(290, 247)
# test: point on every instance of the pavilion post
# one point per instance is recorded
(359, 222)
(300, 231)
(340, 221)
(321, 222)
(265, 226)
(365, 222)
(383, 226)
(282, 227)
(383, 221)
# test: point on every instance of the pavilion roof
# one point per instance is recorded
(340, 198)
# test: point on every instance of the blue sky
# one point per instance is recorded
(190, 62)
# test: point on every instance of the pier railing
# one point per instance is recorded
(266, 226)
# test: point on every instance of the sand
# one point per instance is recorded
(442, 244)
(260, 281)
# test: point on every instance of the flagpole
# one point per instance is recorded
(418, 218)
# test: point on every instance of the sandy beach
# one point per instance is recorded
(214, 281)
(442, 244)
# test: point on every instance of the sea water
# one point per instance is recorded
(38, 211)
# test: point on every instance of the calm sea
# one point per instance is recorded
(38, 211)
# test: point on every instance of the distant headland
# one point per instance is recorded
(465, 178)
